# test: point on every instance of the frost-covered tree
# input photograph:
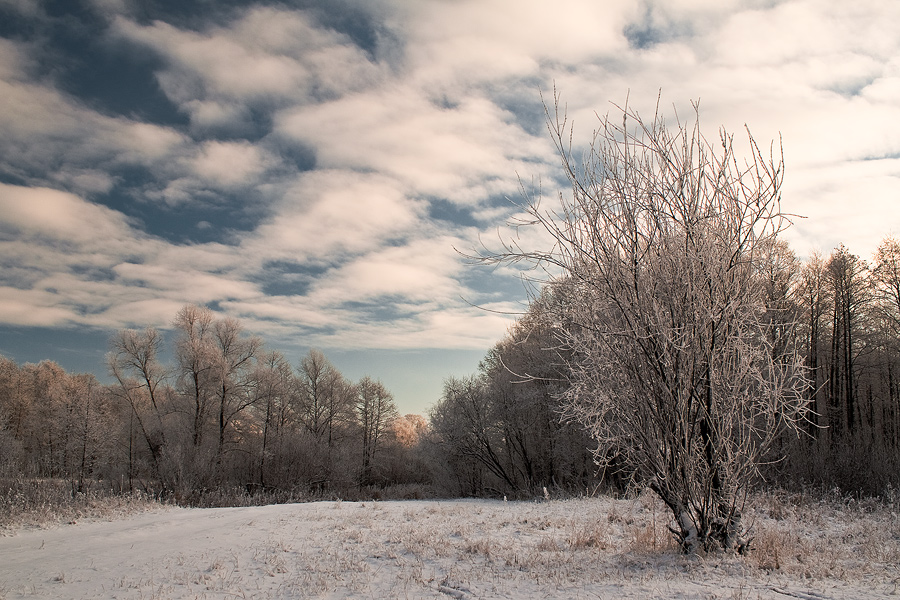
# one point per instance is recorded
(851, 294)
(375, 410)
(273, 385)
(233, 359)
(195, 353)
(656, 257)
(466, 427)
(886, 274)
(324, 397)
(133, 361)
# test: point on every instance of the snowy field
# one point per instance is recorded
(586, 548)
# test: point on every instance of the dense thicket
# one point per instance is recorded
(228, 415)
(847, 316)
(655, 255)
(207, 423)
(841, 314)
(500, 432)
(684, 335)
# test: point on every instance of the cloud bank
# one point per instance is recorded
(312, 170)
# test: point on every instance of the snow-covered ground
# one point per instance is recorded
(585, 548)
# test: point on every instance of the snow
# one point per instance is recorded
(583, 548)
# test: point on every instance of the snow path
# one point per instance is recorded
(415, 549)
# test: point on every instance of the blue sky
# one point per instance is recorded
(310, 166)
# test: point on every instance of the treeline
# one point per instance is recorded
(842, 314)
(228, 416)
(501, 430)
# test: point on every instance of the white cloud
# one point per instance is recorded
(50, 214)
(220, 115)
(229, 164)
(453, 118)
(59, 255)
(43, 132)
(14, 61)
(84, 181)
(421, 271)
(453, 44)
(32, 307)
(854, 203)
(143, 143)
(463, 153)
(269, 56)
(329, 213)
(79, 262)
(284, 315)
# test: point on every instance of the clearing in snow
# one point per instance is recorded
(583, 548)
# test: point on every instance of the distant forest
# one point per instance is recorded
(230, 416)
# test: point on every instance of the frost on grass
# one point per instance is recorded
(584, 548)
(43, 503)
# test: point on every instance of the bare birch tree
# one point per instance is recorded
(662, 307)
(133, 362)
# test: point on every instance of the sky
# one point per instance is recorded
(314, 167)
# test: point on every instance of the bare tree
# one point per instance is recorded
(658, 256)
(233, 359)
(525, 374)
(464, 423)
(195, 353)
(89, 423)
(886, 274)
(375, 410)
(813, 299)
(851, 293)
(133, 361)
(325, 398)
(60, 421)
(48, 422)
(273, 383)
(779, 269)
(13, 397)
(14, 408)
(887, 280)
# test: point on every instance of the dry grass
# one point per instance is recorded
(47, 502)
(590, 535)
(469, 548)
(825, 536)
(800, 536)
